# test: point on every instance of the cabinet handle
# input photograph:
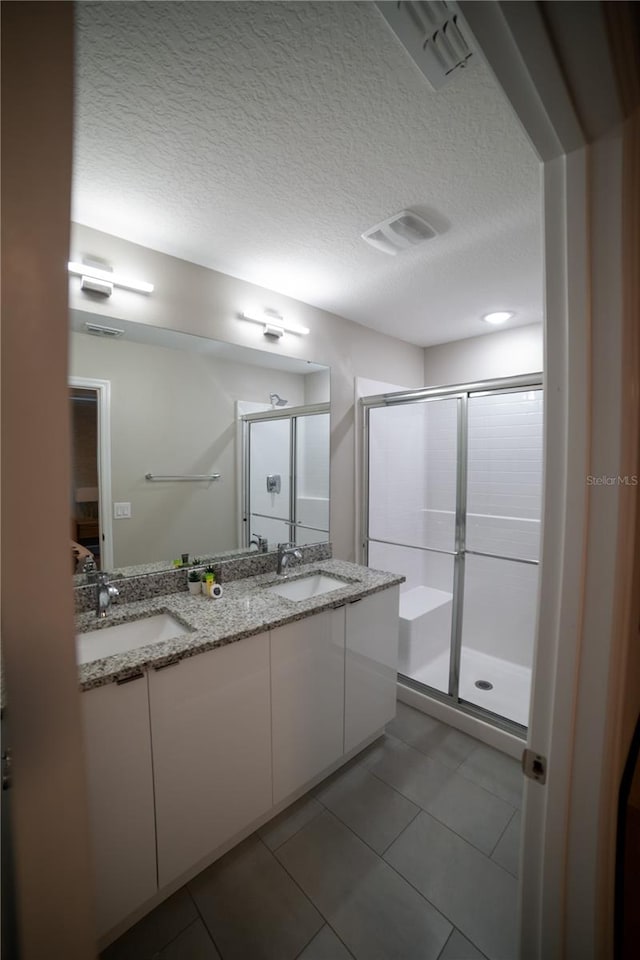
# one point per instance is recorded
(351, 602)
(6, 768)
(169, 663)
(129, 677)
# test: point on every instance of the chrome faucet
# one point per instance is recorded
(105, 594)
(261, 543)
(285, 552)
(90, 569)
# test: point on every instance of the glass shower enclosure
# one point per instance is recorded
(452, 500)
(286, 475)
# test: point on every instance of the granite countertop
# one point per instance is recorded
(244, 610)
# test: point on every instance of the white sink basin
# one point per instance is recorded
(96, 644)
(304, 588)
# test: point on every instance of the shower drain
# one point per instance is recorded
(484, 685)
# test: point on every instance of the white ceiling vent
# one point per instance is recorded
(432, 34)
(402, 230)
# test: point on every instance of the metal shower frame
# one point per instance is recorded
(279, 413)
(460, 392)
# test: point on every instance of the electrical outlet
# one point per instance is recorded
(121, 511)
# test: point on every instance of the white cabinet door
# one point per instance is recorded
(371, 665)
(211, 727)
(307, 697)
(120, 783)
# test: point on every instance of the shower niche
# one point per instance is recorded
(452, 500)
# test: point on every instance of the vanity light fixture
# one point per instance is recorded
(100, 279)
(274, 325)
(501, 316)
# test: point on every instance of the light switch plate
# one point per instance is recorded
(121, 511)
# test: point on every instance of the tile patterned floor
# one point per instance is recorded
(410, 852)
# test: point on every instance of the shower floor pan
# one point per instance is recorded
(511, 691)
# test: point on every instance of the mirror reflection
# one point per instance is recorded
(187, 449)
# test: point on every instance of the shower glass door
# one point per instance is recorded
(311, 478)
(412, 529)
(503, 515)
(287, 478)
(453, 501)
(269, 480)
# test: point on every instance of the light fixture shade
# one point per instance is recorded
(94, 285)
(275, 323)
(87, 270)
(271, 330)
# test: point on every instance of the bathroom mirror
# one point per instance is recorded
(161, 426)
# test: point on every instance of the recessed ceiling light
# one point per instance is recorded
(496, 318)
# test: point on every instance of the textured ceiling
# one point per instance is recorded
(261, 139)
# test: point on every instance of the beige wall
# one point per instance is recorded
(207, 303)
(506, 353)
(173, 412)
(317, 386)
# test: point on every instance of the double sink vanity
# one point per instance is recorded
(204, 718)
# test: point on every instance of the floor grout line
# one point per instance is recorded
(295, 832)
(445, 944)
(311, 939)
(422, 809)
(326, 924)
(202, 919)
(389, 785)
(390, 865)
(184, 930)
(293, 879)
(416, 814)
(337, 935)
(503, 833)
(479, 744)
